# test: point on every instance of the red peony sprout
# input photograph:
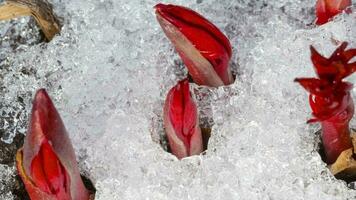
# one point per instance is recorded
(330, 98)
(204, 49)
(327, 9)
(47, 163)
(181, 122)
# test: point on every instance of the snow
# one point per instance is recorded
(108, 73)
(6, 176)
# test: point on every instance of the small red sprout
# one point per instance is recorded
(47, 163)
(181, 122)
(327, 9)
(330, 98)
(204, 49)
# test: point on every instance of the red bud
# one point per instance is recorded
(327, 9)
(47, 163)
(204, 49)
(181, 122)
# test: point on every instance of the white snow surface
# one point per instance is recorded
(110, 68)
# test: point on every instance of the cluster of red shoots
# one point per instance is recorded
(330, 98)
(47, 163)
(206, 53)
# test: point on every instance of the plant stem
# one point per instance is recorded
(336, 139)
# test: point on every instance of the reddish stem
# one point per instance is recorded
(336, 132)
(336, 139)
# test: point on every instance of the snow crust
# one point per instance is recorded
(111, 67)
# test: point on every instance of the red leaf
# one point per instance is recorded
(315, 86)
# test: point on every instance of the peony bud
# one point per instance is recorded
(204, 49)
(326, 9)
(47, 163)
(181, 122)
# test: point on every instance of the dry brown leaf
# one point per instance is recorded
(41, 10)
(345, 165)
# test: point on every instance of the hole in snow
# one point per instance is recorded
(89, 185)
(19, 191)
(348, 175)
(202, 97)
(159, 136)
(157, 131)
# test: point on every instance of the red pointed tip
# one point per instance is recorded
(297, 80)
(344, 45)
(41, 96)
(312, 49)
(317, 58)
(44, 112)
(338, 51)
(313, 120)
(42, 101)
(159, 7)
(315, 86)
(164, 10)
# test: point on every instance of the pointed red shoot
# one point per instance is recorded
(181, 122)
(47, 163)
(204, 49)
(330, 98)
(327, 9)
